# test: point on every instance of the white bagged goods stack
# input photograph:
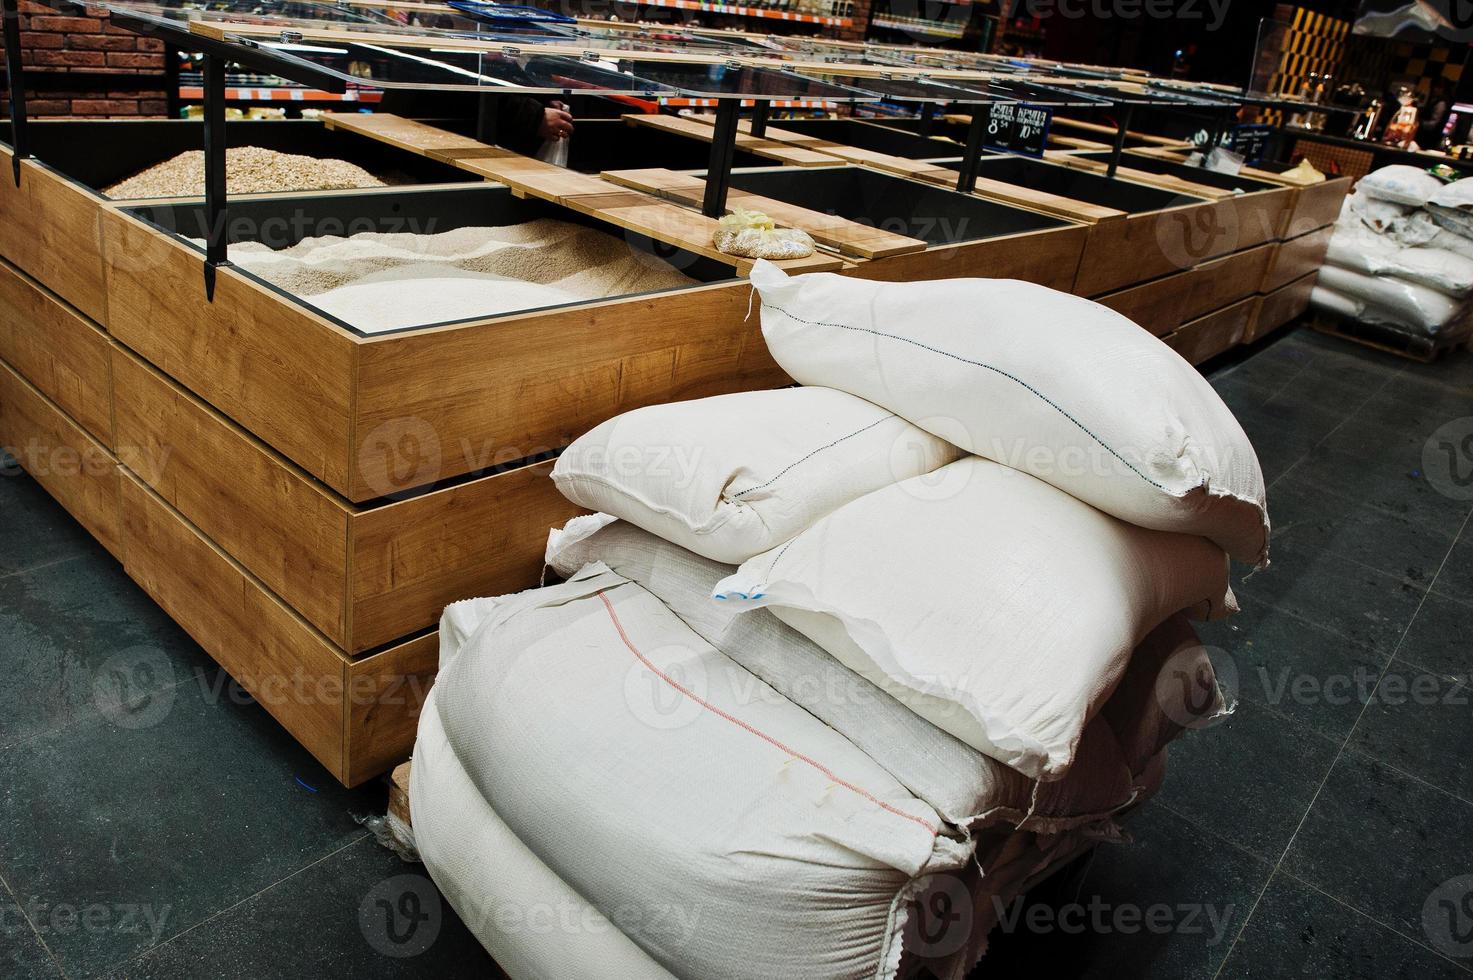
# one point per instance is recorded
(925, 668)
(732, 476)
(1401, 255)
(1041, 381)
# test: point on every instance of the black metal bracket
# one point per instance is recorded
(1122, 125)
(20, 143)
(723, 151)
(966, 182)
(760, 111)
(928, 118)
(216, 233)
(488, 118)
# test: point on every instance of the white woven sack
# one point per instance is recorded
(1400, 184)
(647, 770)
(732, 476)
(1381, 216)
(1326, 299)
(966, 787)
(995, 606)
(1436, 268)
(1391, 300)
(1046, 382)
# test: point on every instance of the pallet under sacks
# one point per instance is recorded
(771, 769)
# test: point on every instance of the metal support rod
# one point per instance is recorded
(760, 110)
(215, 209)
(488, 118)
(15, 79)
(723, 150)
(967, 181)
(928, 118)
(1119, 145)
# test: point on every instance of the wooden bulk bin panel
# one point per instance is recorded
(386, 692)
(49, 229)
(61, 352)
(1165, 304)
(1295, 258)
(269, 364)
(1280, 306)
(465, 397)
(1049, 257)
(1315, 206)
(68, 463)
(1210, 335)
(363, 576)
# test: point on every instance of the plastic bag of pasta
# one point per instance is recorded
(754, 235)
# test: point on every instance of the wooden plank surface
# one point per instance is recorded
(1164, 304)
(62, 353)
(698, 128)
(413, 558)
(1210, 335)
(69, 464)
(388, 690)
(849, 237)
(1280, 306)
(1297, 257)
(289, 668)
(267, 514)
(1027, 197)
(406, 134)
(48, 227)
(280, 371)
(1127, 172)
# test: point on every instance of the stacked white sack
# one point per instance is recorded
(1401, 255)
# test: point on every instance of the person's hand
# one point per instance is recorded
(557, 123)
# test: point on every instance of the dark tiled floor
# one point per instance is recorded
(156, 823)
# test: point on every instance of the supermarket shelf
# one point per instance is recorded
(739, 11)
(236, 93)
(776, 103)
(930, 29)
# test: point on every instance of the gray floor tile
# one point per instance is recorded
(173, 810)
(1267, 766)
(1382, 843)
(1441, 637)
(1422, 723)
(1297, 931)
(333, 920)
(38, 530)
(22, 953)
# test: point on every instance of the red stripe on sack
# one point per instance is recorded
(755, 731)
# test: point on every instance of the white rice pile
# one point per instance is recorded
(379, 282)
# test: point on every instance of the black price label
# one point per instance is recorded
(1250, 140)
(1016, 127)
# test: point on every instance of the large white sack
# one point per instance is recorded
(1400, 184)
(731, 476)
(650, 772)
(1392, 300)
(1052, 384)
(1435, 268)
(995, 606)
(1326, 299)
(529, 920)
(966, 787)
(1381, 216)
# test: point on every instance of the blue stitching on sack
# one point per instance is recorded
(781, 473)
(957, 357)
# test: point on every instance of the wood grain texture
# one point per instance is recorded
(1127, 172)
(288, 667)
(1026, 197)
(1164, 304)
(387, 691)
(413, 558)
(276, 368)
(69, 464)
(257, 507)
(57, 349)
(406, 134)
(1280, 306)
(770, 148)
(848, 237)
(1295, 258)
(507, 389)
(48, 227)
(1049, 258)
(1316, 206)
(1210, 335)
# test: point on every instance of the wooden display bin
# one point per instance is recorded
(1281, 306)
(1296, 258)
(50, 226)
(343, 405)
(1166, 304)
(965, 235)
(864, 135)
(1207, 336)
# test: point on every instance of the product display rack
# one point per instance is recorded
(328, 491)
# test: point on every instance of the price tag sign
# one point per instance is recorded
(1016, 127)
(1251, 141)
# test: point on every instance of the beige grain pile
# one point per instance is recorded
(248, 170)
(379, 282)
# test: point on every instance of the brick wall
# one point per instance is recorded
(861, 22)
(55, 45)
